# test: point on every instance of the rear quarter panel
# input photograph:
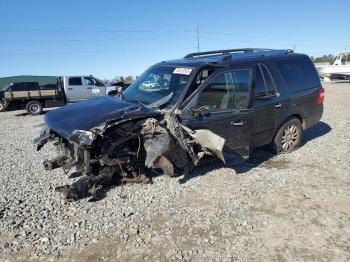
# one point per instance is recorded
(302, 104)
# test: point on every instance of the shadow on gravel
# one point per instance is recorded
(26, 114)
(260, 156)
(75, 174)
(318, 130)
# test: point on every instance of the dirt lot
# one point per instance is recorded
(293, 207)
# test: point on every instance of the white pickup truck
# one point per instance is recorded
(68, 89)
(78, 88)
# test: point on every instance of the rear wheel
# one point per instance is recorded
(34, 108)
(288, 138)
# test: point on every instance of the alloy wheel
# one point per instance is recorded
(290, 137)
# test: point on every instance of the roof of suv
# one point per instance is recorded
(228, 55)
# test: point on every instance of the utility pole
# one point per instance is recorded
(197, 34)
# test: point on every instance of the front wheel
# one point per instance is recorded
(34, 108)
(288, 137)
(2, 106)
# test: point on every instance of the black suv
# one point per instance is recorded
(179, 111)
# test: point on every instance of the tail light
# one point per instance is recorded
(320, 96)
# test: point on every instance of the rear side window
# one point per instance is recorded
(31, 86)
(75, 81)
(264, 85)
(19, 87)
(299, 74)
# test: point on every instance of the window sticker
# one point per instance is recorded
(182, 71)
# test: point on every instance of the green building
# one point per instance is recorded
(42, 80)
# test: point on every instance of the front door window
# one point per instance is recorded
(227, 91)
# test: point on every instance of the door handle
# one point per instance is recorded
(237, 123)
(70, 88)
(88, 88)
(278, 105)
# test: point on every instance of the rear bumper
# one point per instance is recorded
(314, 117)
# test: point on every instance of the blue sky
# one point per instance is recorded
(108, 38)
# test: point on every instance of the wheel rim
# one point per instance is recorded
(290, 137)
(34, 108)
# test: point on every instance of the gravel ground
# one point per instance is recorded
(292, 207)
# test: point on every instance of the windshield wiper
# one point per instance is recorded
(161, 101)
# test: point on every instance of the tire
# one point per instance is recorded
(288, 137)
(2, 106)
(34, 108)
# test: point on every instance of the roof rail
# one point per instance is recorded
(230, 51)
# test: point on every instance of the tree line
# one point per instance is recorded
(125, 79)
(326, 58)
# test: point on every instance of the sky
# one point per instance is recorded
(109, 38)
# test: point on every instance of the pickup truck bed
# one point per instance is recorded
(32, 97)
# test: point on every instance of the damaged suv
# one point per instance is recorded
(202, 105)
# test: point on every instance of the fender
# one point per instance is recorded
(297, 112)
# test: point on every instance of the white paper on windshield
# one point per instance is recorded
(182, 71)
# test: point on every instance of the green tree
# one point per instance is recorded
(129, 79)
(325, 58)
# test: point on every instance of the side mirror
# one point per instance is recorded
(200, 111)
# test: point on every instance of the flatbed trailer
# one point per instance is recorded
(30, 96)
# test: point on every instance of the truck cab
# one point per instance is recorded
(79, 88)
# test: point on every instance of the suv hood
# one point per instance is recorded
(93, 113)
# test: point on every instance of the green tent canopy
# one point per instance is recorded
(42, 80)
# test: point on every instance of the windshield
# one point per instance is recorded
(8, 87)
(158, 86)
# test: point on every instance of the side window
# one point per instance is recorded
(89, 81)
(260, 83)
(9, 87)
(97, 82)
(32, 86)
(200, 78)
(242, 81)
(270, 87)
(75, 81)
(227, 91)
(19, 87)
(213, 95)
(298, 73)
(264, 85)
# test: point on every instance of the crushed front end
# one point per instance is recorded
(123, 145)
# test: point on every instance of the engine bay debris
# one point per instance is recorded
(127, 150)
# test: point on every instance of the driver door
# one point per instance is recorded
(93, 88)
(222, 105)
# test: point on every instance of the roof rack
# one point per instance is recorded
(230, 52)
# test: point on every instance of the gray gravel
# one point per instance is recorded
(293, 207)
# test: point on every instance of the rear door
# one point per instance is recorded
(265, 103)
(222, 105)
